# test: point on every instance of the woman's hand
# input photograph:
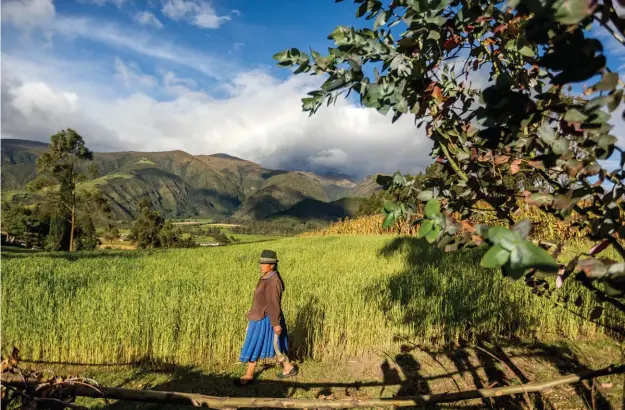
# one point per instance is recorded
(277, 329)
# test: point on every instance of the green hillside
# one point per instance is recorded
(314, 210)
(281, 192)
(180, 184)
(18, 162)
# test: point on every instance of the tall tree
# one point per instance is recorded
(59, 171)
(146, 231)
(111, 233)
(540, 108)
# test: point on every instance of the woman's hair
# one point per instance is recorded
(275, 268)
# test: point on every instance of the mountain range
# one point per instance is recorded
(183, 185)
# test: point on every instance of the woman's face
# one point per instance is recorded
(265, 267)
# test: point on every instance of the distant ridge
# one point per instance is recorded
(183, 185)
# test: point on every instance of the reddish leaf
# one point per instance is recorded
(515, 167)
(573, 167)
(485, 157)
(536, 164)
(468, 225)
(477, 239)
(599, 247)
(482, 19)
(563, 201)
(591, 266)
(437, 93)
(473, 154)
(502, 159)
(500, 28)
(476, 65)
(450, 44)
(539, 199)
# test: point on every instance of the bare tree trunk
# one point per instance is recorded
(71, 231)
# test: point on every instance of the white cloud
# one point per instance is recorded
(333, 158)
(260, 119)
(116, 36)
(28, 14)
(118, 3)
(199, 13)
(34, 110)
(147, 18)
(177, 85)
(132, 76)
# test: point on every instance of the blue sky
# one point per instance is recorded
(195, 75)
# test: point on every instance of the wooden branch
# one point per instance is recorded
(199, 400)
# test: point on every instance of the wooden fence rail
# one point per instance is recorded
(199, 400)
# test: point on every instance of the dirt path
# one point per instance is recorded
(409, 371)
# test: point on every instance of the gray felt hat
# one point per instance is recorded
(268, 256)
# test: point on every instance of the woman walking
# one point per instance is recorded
(266, 333)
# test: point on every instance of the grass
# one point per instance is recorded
(348, 296)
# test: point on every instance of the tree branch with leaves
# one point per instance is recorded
(500, 89)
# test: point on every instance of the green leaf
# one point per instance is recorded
(608, 82)
(434, 35)
(433, 234)
(574, 115)
(540, 198)
(390, 206)
(432, 208)
(571, 11)
(363, 9)
(319, 59)
(606, 141)
(615, 100)
(532, 256)
(399, 179)
(438, 20)
(388, 221)
(308, 103)
(547, 134)
(381, 19)
(508, 239)
(527, 51)
(560, 146)
(425, 228)
(282, 56)
(496, 257)
(425, 195)
(523, 227)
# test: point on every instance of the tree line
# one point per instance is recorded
(66, 217)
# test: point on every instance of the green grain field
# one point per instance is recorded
(349, 296)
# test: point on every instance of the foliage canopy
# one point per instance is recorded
(498, 88)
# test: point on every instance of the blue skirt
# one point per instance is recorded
(259, 340)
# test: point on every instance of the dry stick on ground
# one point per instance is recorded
(199, 400)
(525, 395)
